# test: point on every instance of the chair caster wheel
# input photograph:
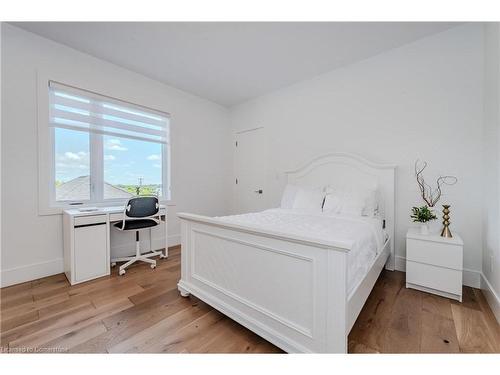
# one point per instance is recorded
(122, 272)
(113, 264)
(162, 256)
(153, 266)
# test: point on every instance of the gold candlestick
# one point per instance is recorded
(446, 222)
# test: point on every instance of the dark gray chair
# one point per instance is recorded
(141, 213)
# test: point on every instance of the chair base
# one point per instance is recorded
(138, 257)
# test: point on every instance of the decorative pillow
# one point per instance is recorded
(288, 196)
(333, 203)
(356, 200)
(352, 205)
(309, 199)
(371, 203)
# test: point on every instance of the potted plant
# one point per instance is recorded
(422, 215)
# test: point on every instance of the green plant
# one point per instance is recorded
(422, 214)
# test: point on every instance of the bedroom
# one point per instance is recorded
(270, 168)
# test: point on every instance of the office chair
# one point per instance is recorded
(140, 213)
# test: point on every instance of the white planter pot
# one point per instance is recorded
(424, 229)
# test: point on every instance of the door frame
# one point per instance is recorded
(235, 173)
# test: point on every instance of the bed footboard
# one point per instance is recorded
(289, 290)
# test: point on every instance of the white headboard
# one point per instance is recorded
(346, 170)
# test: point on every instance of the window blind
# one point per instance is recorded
(82, 110)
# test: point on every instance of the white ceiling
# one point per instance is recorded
(229, 63)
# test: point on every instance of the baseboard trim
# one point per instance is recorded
(491, 296)
(17, 275)
(30, 272)
(174, 240)
(400, 264)
(470, 278)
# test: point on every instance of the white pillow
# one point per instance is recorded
(333, 203)
(288, 196)
(371, 203)
(309, 199)
(356, 200)
(352, 204)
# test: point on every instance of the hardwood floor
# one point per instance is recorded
(139, 312)
(143, 312)
(399, 320)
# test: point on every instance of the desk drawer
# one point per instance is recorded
(89, 220)
(439, 254)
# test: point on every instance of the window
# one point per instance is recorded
(105, 149)
(72, 165)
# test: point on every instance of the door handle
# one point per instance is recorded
(258, 191)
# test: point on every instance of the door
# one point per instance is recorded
(91, 259)
(251, 167)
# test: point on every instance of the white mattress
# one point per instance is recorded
(364, 236)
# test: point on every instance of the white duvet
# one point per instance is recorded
(364, 236)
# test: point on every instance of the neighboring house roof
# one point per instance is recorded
(79, 189)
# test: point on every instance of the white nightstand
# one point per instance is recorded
(434, 263)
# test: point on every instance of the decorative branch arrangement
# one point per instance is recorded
(429, 195)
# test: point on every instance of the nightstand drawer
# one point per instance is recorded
(436, 253)
(442, 279)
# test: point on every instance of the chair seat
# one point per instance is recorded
(136, 224)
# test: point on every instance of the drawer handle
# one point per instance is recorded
(89, 225)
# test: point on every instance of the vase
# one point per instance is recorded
(424, 229)
(446, 222)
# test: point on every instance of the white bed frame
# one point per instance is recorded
(288, 289)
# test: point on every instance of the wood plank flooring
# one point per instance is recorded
(143, 312)
(399, 320)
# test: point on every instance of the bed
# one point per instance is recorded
(296, 277)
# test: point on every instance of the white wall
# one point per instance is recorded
(1, 27)
(491, 168)
(422, 100)
(200, 136)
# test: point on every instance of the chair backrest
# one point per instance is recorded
(141, 207)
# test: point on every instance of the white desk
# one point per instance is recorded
(87, 246)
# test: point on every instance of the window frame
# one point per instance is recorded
(47, 203)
